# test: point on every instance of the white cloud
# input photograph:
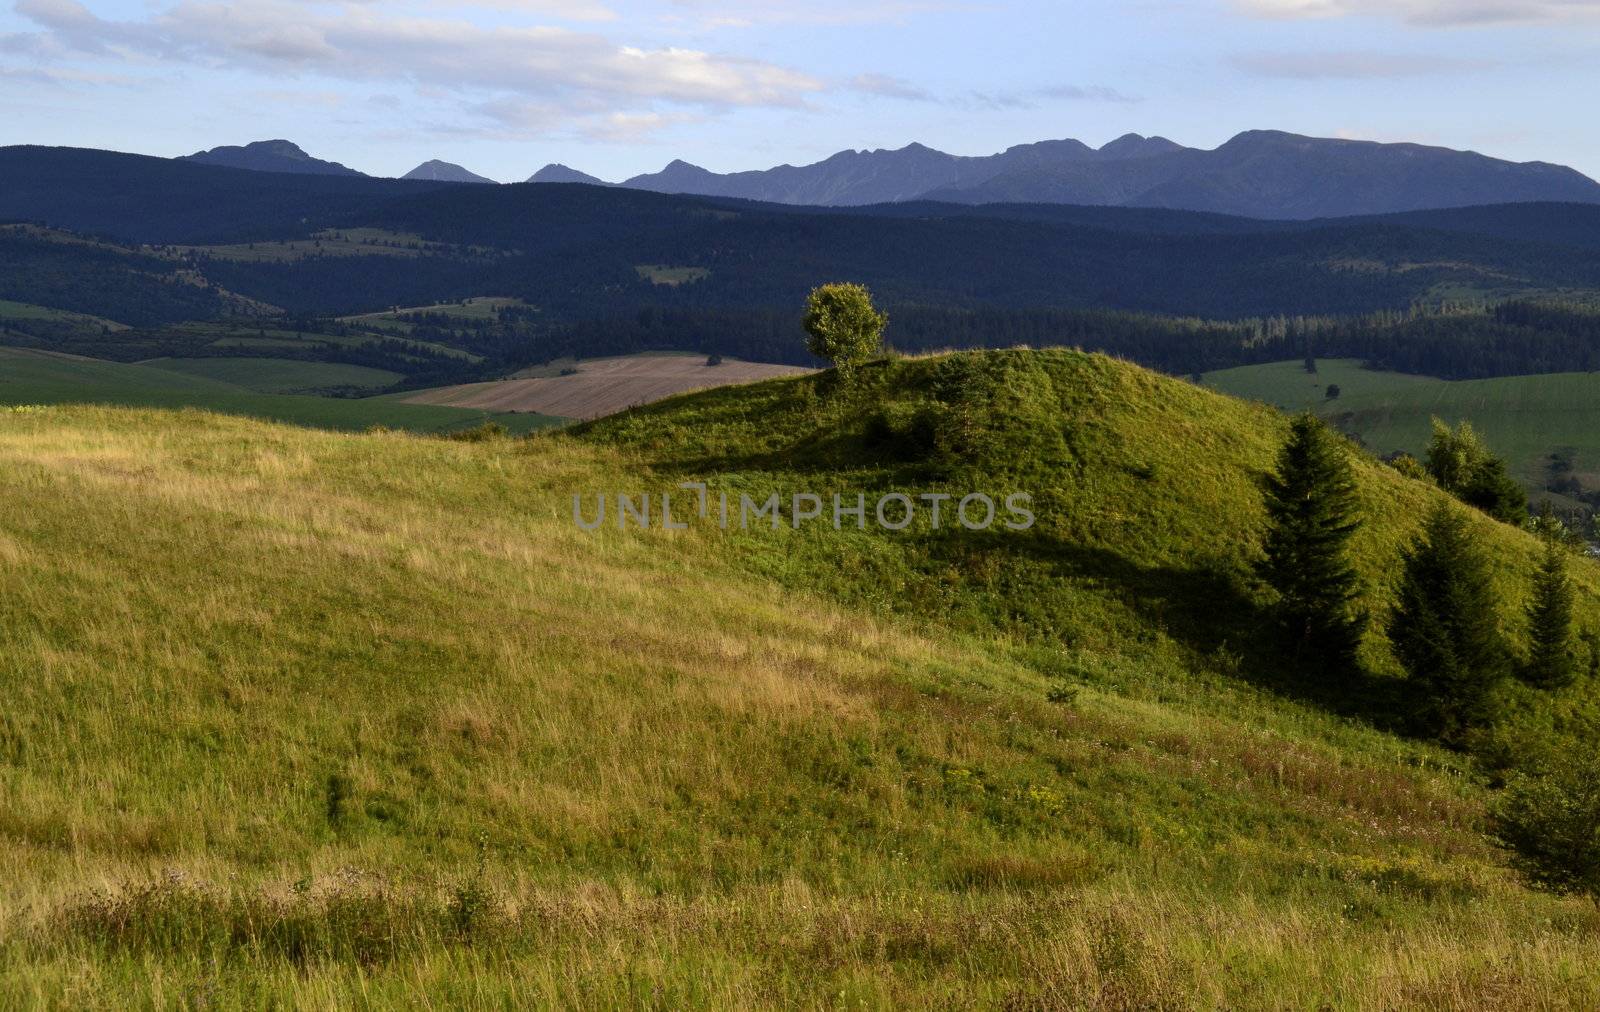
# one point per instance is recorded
(889, 87)
(709, 14)
(1352, 65)
(1056, 93)
(569, 10)
(1439, 13)
(561, 68)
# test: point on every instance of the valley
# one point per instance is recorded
(319, 694)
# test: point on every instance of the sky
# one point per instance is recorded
(620, 87)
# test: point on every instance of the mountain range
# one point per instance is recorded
(1258, 174)
(1265, 174)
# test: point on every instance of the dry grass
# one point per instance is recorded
(310, 719)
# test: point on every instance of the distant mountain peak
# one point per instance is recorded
(1137, 146)
(555, 172)
(445, 172)
(277, 155)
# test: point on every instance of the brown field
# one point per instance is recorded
(604, 386)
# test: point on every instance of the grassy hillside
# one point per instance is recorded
(33, 377)
(1523, 418)
(1146, 489)
(416, 730)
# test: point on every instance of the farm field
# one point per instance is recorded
(603, 386)
(301, 718)
(32, 378)
(1523, 418)
(278, 375)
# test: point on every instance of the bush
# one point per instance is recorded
(1550, 820)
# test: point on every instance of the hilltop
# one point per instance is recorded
(271, 156)
(447, 172)
(353, 715)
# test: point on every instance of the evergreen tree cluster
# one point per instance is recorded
(1446, 628)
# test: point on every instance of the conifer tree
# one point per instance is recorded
(1445, 630)
(1312, 511)
(1550, 664)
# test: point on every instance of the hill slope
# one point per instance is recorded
(419, 731)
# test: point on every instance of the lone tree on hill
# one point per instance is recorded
(1445, 631)
(1550, 664)
(843, 326)
(1313, 511)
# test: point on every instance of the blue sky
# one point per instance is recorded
(617, 87)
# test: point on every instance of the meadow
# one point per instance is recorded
(314, 718)
(1523, 418)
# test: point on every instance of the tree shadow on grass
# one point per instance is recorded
(1213, 613)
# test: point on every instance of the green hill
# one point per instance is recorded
(30, 377)
(1523, 418)
(309, 718)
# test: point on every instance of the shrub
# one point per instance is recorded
(1550, 820)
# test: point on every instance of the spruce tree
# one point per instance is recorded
(1312, 511)
(1550, 663)
(1445, 631)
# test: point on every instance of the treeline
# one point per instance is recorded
(1510, 339)
(1451, 342)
